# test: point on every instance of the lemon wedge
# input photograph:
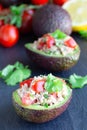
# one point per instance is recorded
(78, 12)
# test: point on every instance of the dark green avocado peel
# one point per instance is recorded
(49, 18)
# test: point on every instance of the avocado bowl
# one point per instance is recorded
(43, 112)
(60, 56)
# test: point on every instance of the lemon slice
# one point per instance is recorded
(78, 12)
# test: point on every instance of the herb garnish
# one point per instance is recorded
(46, 105)
(46, 96)
(13, 74)
(14, 17)
(53, 84)
(77, 81)
(58, 34)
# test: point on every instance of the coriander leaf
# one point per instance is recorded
(17, 9)
(14, 78)
(53, 84)
(19, 21)
(58, 34)
(26, 73)
(13, 74)
(46, 96)
(77, 81)
(16, 14)
(46, 105)
(19, 65)
(83, 34)
(18, 76)
(14, 19)
(6, 71)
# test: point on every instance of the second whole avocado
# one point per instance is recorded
(49, 18)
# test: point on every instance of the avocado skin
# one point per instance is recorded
(49, 18)
(40, 116)
(53, 63)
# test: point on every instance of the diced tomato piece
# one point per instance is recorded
(28, 82)
(50, 41)
(26, 99)
(70, 43)
(54, 95)
(47, 40)
(38, 86)
(40, 46)
(1, 23)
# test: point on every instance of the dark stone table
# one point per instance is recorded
(74, 118)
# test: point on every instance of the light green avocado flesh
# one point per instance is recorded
(29, 47)
(17, 99)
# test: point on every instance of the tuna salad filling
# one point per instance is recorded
(43, 90)
(61, 45)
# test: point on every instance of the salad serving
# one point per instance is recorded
(41, 98)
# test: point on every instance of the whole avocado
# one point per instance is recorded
(49, 18)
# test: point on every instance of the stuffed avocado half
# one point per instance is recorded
(41, 98)
(54, 51)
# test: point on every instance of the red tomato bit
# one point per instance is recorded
(47, 40)
(28, 82)
(70, 43)
(26, 99)
(38, 86)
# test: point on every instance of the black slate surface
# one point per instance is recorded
(74, 118)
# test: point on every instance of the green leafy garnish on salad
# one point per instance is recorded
(53, 84)
(58, 34)
(46, 96)
(13, 74)
(46, 105)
